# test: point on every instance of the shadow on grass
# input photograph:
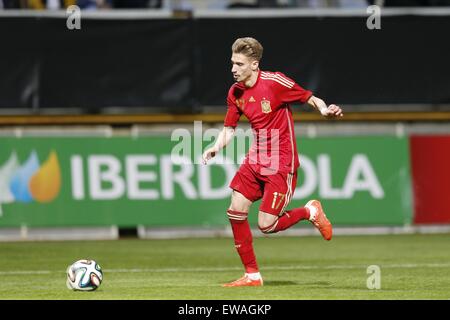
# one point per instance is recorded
(280, 283)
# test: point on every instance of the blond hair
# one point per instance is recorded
(249, 47)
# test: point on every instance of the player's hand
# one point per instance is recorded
(208, 154)
(332, 111)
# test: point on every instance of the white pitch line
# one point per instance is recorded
(25, 272)
(218, 269)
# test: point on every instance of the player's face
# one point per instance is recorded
(242, 67)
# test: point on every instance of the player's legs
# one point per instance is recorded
(245, 190)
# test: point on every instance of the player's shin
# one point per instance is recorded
(243, 239)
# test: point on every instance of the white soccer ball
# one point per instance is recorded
(84, 275)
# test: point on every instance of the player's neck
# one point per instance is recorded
(250, 82)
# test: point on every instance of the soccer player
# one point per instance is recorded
(269, 170)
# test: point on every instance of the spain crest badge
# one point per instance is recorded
(265, 106)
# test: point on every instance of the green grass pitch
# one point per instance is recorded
(294, 268)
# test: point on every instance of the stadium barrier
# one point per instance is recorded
(128, 181)
(166, 118)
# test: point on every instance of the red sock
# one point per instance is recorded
(291, 217)
(243, 239)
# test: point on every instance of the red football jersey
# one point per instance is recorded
(266, 106)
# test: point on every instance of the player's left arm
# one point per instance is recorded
(331, 111)
(290, 91)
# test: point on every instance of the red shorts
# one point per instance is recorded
(276, 190)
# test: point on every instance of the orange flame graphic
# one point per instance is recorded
(46, 182)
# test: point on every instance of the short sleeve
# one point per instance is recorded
(233, 112)
(289, 91)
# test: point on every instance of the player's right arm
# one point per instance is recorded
(222, 140)
(230, 123)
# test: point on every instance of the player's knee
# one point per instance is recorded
(239, 202)
(237, 207)
(267, 227)
(267, 222)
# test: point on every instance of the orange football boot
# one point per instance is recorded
(244, 281)
(320, 221)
